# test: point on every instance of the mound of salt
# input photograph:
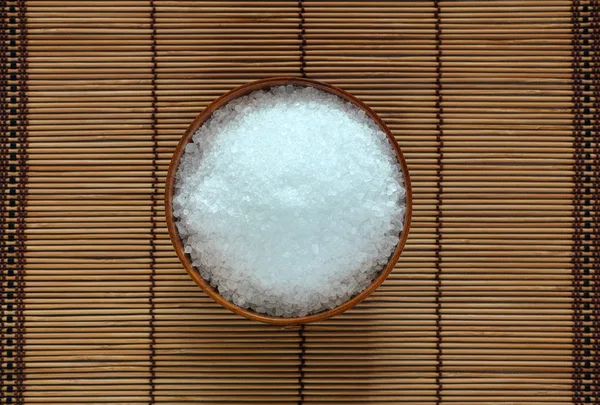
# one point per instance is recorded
(289, 201)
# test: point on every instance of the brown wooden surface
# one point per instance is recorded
(495, 297)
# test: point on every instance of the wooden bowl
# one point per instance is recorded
(170, 187)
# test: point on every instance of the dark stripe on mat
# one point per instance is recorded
(20, 245)
(439, 196)
(13, 196)
(153, 213)
(4, 152)
(578, 207)
(595, 315)
(301, 37)
(301, 356)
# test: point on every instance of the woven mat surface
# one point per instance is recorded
(496, 299)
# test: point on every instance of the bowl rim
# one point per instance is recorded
(170, 187)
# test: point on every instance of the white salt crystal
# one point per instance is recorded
(289, 201)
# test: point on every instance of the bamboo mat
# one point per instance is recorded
(496, 299)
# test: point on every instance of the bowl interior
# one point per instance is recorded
(170, 188)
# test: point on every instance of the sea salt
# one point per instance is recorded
(289, 201)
